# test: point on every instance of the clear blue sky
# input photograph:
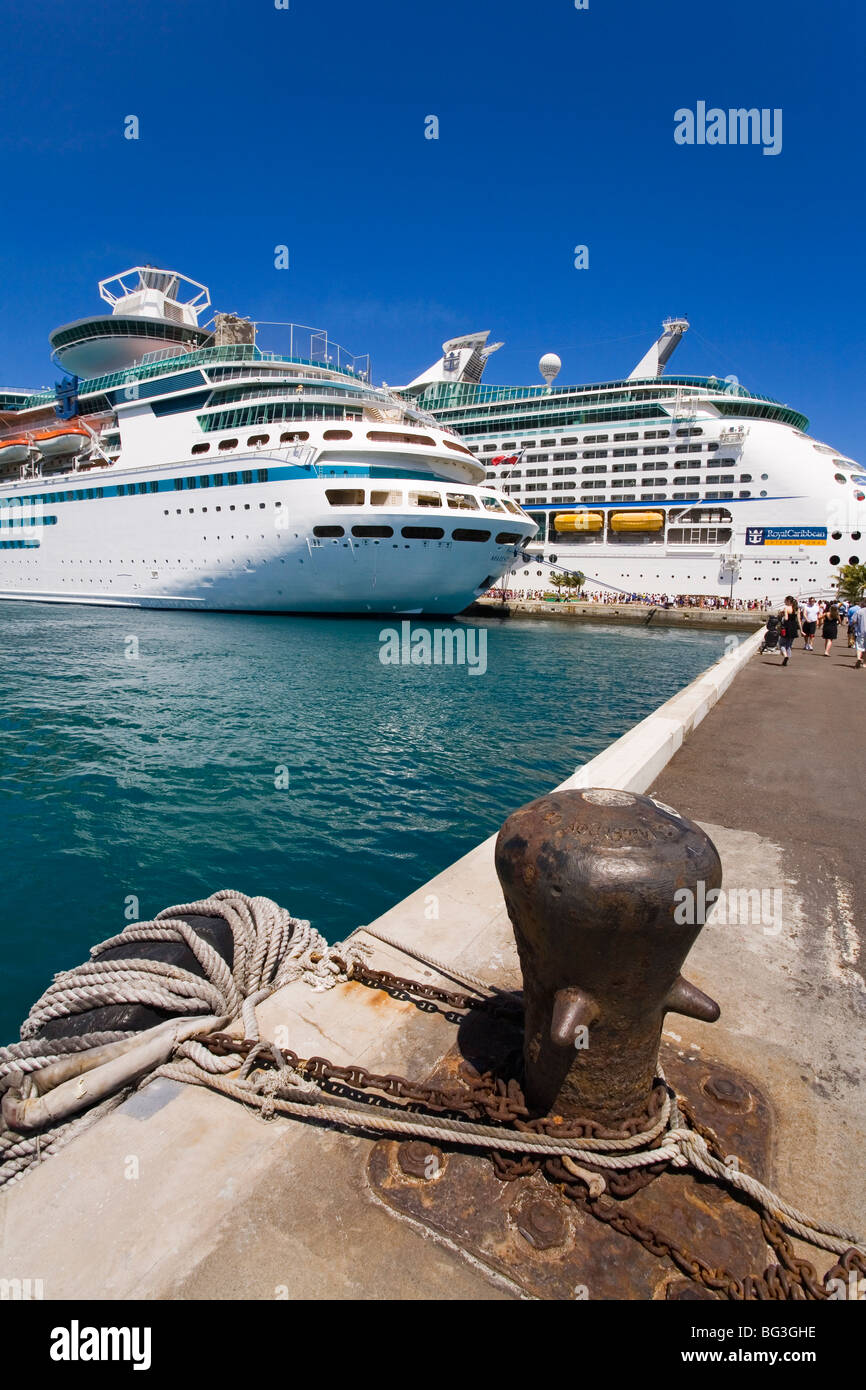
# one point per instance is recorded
(306, 127)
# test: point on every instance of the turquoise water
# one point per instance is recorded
(162, 776)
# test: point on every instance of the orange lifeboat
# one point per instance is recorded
(61, 442)
(14, 451)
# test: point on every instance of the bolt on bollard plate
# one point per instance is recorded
(571, 1256)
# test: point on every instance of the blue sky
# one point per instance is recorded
(305, 127)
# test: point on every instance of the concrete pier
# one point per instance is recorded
(184, 1194)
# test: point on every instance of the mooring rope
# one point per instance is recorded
(271, 948)
(681, 1145)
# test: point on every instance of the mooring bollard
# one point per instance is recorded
(602, 888)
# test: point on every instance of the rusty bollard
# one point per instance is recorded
(589, 879)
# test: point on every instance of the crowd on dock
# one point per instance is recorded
(810, 618)
(609, 598)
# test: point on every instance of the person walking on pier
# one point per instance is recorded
(830, 627)
(851, 615)
(789, 626)
(810, 624)
(859, 629)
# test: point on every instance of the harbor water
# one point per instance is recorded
(150, 758)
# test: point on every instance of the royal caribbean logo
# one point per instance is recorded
(786, 535)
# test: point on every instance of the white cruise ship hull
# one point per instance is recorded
(247, 547)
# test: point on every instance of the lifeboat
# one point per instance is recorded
(637, 521)
(578, 521)
(62, 442)
(14, 451)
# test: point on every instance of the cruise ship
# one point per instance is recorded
(655, 484)
(177, 464)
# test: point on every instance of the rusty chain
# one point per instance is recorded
(491, 1098)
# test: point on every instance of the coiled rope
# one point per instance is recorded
(271, 949)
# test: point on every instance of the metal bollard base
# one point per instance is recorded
(528, 1233)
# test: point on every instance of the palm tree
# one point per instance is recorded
(852, 582)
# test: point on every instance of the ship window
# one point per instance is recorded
(425, 499)
(595, 454)
(625, 436)
(378, 532)
(547, 443)
(200, 448)
(688, 432)
(345, 496)
(228, 444)
(460, 448)
(564, 472)
(853, 559)
(392, 437)
(834, 559)
(422, 533)
(508, 538)
(467, 533)
(595, 438)
(386, 499)
(293, 437)
(261, 475)
(711, 448)
(512, 507)
(492, 504)
(337, 434)
(745, 477)
(260, 439)
(246, 476)
(745, 494)
(462, 501)
(191, 482)
(571, 440)
(328, 531)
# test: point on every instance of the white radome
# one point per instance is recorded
(550, 366)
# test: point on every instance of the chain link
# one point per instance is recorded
(491, 1098)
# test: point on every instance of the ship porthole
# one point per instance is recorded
(853, 559)
(834, 559)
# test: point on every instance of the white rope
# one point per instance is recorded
(681, 1146)
(482, 987)
(271, 948)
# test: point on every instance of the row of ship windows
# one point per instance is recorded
(82, 494)
(689, 433)
(418, 533)
(375, 436)
(593, 497)
(456, 501)
(617, 453)
(678, 465)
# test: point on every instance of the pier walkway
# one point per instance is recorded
(783, 757)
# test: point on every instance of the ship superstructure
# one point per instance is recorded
(656, 484)
(180, 466)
